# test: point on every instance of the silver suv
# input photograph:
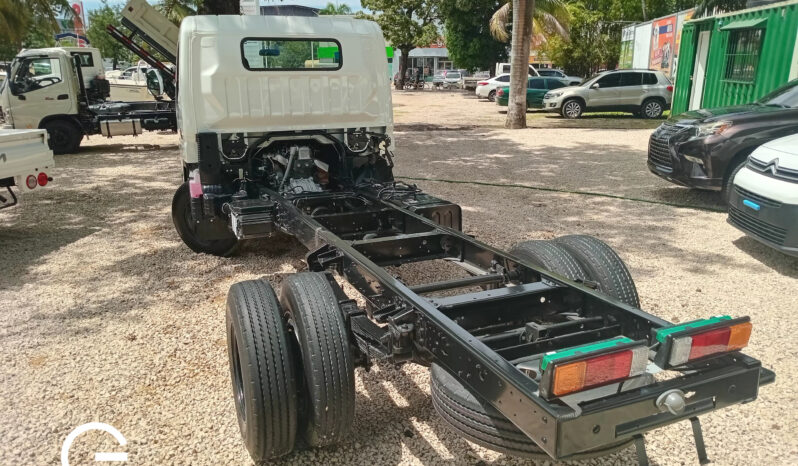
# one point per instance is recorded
(645, 93)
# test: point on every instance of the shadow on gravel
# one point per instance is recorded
(781, 263)
(484, 155)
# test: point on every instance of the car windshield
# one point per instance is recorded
(786, 96)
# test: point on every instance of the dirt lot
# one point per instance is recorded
(106, 316)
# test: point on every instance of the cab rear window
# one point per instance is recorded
(266, 54)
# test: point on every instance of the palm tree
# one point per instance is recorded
(333, 9)
(16, 17)
(549, 18)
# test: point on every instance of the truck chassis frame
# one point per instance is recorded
(466, 333)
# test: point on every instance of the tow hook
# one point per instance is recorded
(672, 401)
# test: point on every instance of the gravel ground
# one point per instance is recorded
(108, 317)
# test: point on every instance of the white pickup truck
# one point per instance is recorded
(25, 160)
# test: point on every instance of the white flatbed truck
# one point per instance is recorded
(25, 161)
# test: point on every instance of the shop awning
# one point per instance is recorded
(745, 24)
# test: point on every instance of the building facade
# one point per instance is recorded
(736, 58)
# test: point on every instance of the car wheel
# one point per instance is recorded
(651, 108)
(64, 136)
(262, 370)
(728, 183)
(187, 229)
(492, 96)
(572, 108)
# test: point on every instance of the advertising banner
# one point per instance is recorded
(663, 43)
(627, 47)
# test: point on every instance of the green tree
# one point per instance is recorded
(406, 24)
(590, 45)
(467, 32)
(19, 18)
(219, 7)
(97, 35)
(333, 9)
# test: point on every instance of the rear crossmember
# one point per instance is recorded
(474, 335)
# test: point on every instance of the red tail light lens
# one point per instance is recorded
(500, 92)
(30, 182)
(583, 367)
(669, 88)
(698, 339)
(42, 179)
(482, 83)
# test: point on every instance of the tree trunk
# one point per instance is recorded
(399, 84)
(219, 7)
(519, 63)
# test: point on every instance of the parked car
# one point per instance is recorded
(447, 78)
(704, 148)
(642, 92)
(764, 200)
(536, 88)
(487, 89)
(554, 73)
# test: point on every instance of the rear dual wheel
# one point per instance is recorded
(576, 257)
(290, 364)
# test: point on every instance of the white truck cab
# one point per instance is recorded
(275, 103)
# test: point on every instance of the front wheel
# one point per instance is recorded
(572, 109)
(186, 227)
(64, 136)
(651, 109)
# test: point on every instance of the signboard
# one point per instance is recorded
(250, 7)
(627, 47)
(663, 37)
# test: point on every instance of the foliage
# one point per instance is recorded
(218, 7)
(406, 24)
(109, 47)
(549, 18)
(593, 43)
(468, 38)
(28, 24)
(333, 9)
(176, 10)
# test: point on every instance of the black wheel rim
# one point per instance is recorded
(59, 138)
(238, 380)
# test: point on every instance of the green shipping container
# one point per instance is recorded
(736, 58)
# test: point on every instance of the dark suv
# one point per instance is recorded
(704, 148)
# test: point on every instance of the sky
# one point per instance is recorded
(353, 4)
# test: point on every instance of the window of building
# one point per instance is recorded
(291, 54)
(742, 54)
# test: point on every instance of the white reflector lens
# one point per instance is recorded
(680, 350)
(31, 182)
(639, 361)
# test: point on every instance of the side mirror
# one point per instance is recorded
(595, 86)
(155, 83)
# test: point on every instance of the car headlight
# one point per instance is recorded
(709, 129)
(552, 95)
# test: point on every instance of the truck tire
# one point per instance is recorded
(602, 265)
(64, 137)
(478, 421)
(550, 257)
(262, 369)
(181, 217)
(327, 397)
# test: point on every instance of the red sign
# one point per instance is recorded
(663, 44)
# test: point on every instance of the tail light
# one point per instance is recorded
(31, 182)
(482, 83)
(500, 91)
(699, 339)
(42, 179)
(593, 365)
(669, 88)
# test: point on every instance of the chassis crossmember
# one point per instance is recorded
(474, 334)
